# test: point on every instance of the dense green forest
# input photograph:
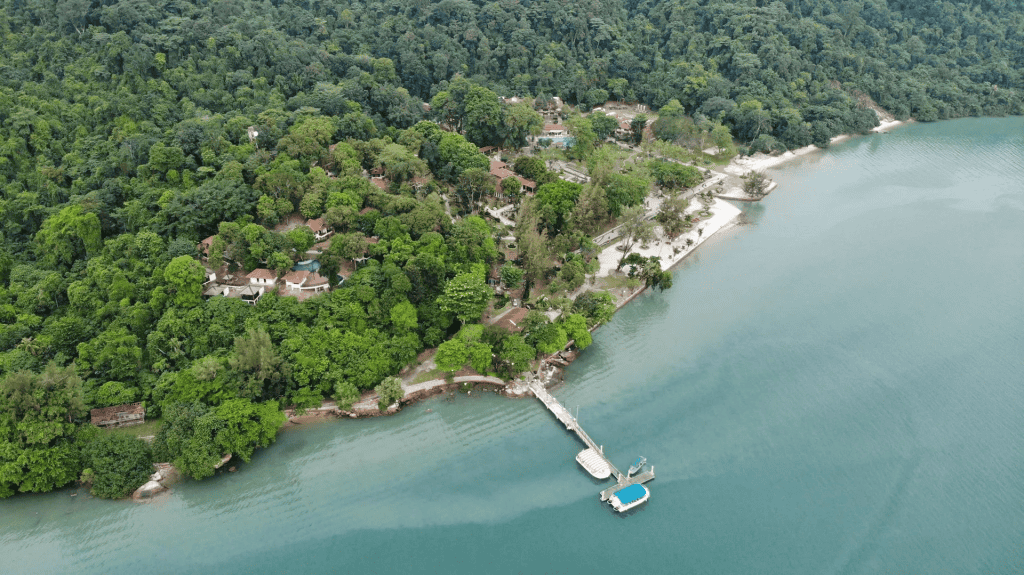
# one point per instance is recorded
(125, 140)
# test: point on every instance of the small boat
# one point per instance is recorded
(629, 497)
(637, 466)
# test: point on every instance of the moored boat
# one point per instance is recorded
(637, 465)
(629, 497)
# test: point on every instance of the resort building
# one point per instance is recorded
(305, 280)
(249, 294)
(204, 248)
(214, 290)
(553, 131)
(262, 277)
(623, 131)
(501, 171)
(119, 415)
(320, 230)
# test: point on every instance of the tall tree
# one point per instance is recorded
(634, 229)
(37, 414)
(185, 278)
(466, 296)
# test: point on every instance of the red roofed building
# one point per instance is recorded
(315, 282)
(553, 130)
(204, 248)
(380, 183)
(295, 278)
(262, 277)
(623, 131)
(500, 170)
(302, 284)
(320, 230)
(119, 415)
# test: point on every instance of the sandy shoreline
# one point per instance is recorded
(672, 251)
(759, 162)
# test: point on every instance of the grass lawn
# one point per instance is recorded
(149, 428)
(615, 282)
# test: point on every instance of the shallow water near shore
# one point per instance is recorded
(833, 387)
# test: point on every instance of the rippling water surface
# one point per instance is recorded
(836, 386)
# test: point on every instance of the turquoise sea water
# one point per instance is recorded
(836, 386)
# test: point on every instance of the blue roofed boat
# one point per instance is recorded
(629, 497)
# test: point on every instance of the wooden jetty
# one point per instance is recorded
(567, 419)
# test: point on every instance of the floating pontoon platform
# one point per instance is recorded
(594, 462)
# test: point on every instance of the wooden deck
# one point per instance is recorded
(563, 415)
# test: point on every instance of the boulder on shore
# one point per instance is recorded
(148, 490)
(223, 460)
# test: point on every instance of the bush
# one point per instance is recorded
(389, 390)
(116, 465)
(597, 307)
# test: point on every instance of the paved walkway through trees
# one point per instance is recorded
(410, 388)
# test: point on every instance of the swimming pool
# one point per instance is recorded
(566, 141)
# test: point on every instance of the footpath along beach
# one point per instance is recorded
(672, 251)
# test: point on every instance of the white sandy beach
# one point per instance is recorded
(722, 214)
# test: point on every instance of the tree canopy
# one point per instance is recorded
(132, 133)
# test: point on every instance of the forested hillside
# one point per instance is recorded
(132, 130)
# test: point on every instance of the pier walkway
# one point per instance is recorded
(567, 419)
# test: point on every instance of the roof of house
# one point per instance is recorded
(296, 276)
(109, 413)
(316, 225)
(261, 274)
(512, 319)
(246, 291)
(204, 246)
(486, 149)
(500, 170)
(380, 183)
(553, 127)
(315, 279)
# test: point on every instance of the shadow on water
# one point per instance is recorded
(751, 214)
(626, 514)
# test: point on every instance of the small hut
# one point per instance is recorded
(119, 415)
